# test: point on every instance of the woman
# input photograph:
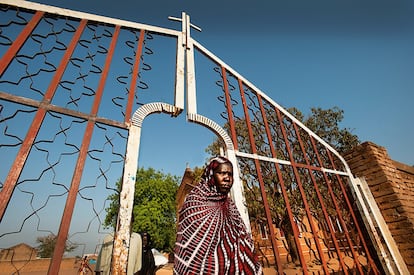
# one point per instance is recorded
(211, 237)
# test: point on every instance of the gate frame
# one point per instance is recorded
(378, 230)
(185, 79)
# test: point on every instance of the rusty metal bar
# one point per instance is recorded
(62, 67)
(299, 183)
(105, 71)
(332, 195)
(50, 107)
(229, 110)
(23, 153)
(19, 41)
(135, 72)
(361, 236)
(274, 155)
(325, 213)
(80, 164)
(19, 161)
(70, 202)
(260, 178)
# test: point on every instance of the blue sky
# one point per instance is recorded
(357, 55)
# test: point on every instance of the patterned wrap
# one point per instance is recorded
(211, 237)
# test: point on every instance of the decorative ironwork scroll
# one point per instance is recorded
(69, 85)
(297, 187)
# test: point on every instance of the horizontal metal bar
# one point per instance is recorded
(61, 110)
(267, 98)
(256, 156)
(286, 162)
(89, 16)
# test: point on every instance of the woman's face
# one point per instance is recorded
(223, 177)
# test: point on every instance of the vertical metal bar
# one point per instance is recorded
(189, 58)
(337, 208)
(325, 213)
(65, 60)
(260, 178)
(19, 161)
(70, 202)
(361, 236)
(102, 81)
(80, 164)
(297, 177)
(274, 155)
(23, 153)
(135, 72)
(179, 76)
(229, 109)
(19, 41)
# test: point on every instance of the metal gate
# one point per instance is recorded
(74, 91)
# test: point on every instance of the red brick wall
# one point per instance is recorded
(392, 185)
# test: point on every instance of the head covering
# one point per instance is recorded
(211, 236)
(208, 174)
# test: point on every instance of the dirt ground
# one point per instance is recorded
(168, 270)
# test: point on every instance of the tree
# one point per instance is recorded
(47, 246)
(154, 207)
(326, 124)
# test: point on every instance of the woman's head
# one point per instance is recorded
(219, 173)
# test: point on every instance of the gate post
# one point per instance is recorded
(237, 191)
(384, 243)
(126, 201)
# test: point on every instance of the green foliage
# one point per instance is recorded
(47, 246)
(198, 172)
(154, 207)
(326, 124)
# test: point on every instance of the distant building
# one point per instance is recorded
(19, 252)
(187, 183)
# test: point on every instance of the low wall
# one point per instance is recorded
(68, 266)
(392, 185)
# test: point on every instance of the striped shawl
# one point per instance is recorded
(211, 237)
